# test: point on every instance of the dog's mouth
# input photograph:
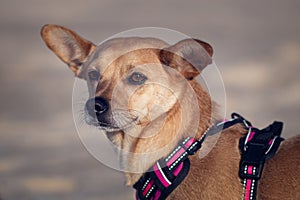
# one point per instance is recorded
(113, 121)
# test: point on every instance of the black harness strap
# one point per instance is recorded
(167, 173)
(257, 147)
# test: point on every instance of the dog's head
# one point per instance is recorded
(137, 86)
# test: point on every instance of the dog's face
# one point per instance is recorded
(123, 88)
(137, 86)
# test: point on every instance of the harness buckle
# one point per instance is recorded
(252, 161)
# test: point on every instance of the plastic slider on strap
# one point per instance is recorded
(253, 157)
(190, 145)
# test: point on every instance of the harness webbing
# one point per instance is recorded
(167, 173)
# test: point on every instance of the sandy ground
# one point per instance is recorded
(257, 49)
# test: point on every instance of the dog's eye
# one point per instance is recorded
(137, 78)
(94, 75)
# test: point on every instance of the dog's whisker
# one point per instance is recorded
(81, 118)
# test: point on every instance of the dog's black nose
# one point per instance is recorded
(97, 106)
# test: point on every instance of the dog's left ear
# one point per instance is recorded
(189, 57)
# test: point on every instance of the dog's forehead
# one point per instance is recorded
(107, 52)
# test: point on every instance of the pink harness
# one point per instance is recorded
(167, 173)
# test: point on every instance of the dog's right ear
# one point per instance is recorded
(67, 45)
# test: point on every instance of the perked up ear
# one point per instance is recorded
(67, 45)
(189, 57)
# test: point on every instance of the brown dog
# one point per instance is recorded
(147, 100)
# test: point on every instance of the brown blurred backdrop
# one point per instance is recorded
(257, 49)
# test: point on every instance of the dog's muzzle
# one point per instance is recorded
(98, 113)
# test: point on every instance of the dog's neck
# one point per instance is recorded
(171, 129)
(215, 173)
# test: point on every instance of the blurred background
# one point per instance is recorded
(257, 49)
